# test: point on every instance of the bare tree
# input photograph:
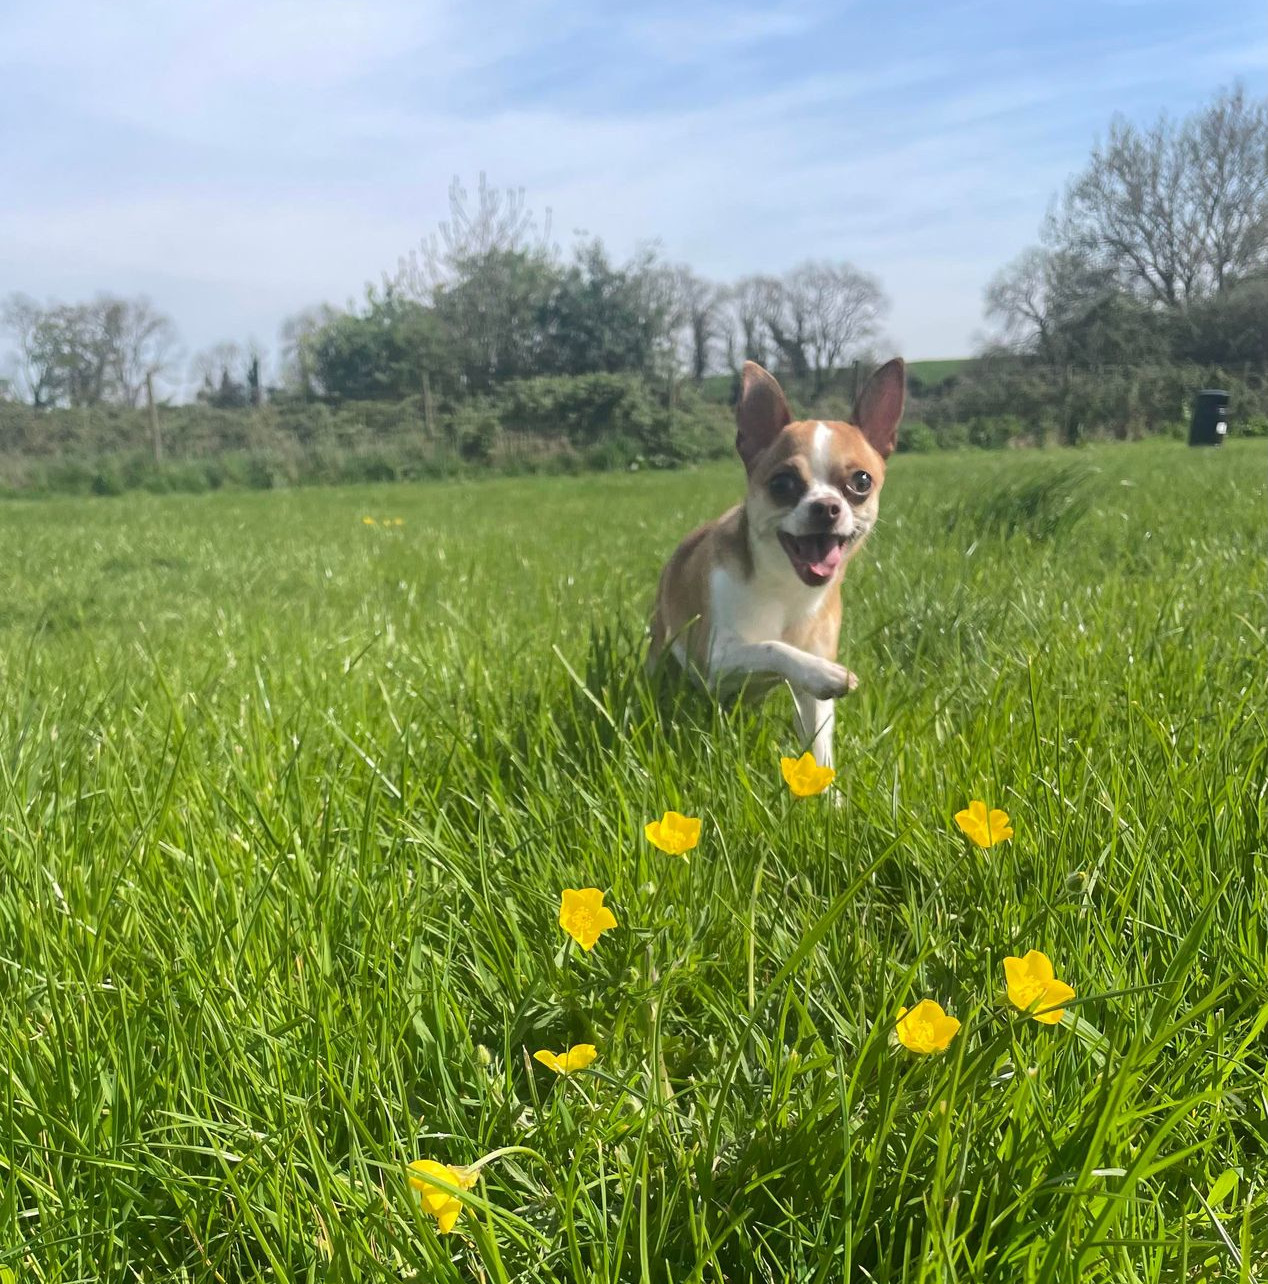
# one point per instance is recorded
(1017, 300)
(748, 339)
(500, 223)
(785, 317)
(1225, 150)
(1124, 212)
(298, 334)
(216, 374)
(144, 342)
(84, 354)
(1173, 212)
(37, 355)
(697, 312)
(1044, 295)
(84, 335)
(818, 316)
(488, 271)
(844, 307)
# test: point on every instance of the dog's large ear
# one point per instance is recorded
(761, 414)
(880, 406)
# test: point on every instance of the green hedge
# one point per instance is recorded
(535, 425)
(569, 424)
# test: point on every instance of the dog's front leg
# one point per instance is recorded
(816, 721)
(731, 661)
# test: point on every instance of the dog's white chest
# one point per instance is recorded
(761, 608)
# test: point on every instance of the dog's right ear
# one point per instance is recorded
(880, 406)
(761, 414)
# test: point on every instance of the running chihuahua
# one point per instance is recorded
(753, 598)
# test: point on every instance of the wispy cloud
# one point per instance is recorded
(242, 160)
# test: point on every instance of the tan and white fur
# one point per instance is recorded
(753, 598)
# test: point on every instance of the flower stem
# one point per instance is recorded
(474, 1168)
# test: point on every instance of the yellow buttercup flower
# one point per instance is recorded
(368, 521)
(674, 833)
(985, 828)
(926, 1027)
(576, 1058)
(1033, 987)
(804, 776)
(583, 915)
(442, 1204)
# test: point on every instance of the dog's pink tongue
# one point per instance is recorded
(830, 560)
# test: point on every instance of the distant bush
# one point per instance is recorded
(952, 436)
(474, 431)
(917, 437)
(614, 420)
(569, 424)
(990, 432)
(584, 408)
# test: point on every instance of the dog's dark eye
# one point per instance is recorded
(859, 484)
(785, 488)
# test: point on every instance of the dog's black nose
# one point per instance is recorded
(825, 510)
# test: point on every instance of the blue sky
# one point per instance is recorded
(239, 161)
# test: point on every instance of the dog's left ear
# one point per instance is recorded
(761, 414)
(880, 406)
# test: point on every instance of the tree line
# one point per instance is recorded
(87, 354)
(487, 300)
(1152, 263)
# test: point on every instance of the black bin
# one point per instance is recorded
(1210, 418)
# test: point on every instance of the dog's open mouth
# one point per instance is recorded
(815, 558)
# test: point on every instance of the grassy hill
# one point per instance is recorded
(935, 372)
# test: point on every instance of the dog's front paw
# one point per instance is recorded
(831, 681)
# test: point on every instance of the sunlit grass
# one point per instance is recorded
(289, 802)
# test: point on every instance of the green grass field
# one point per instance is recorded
(289, 801)
(934, 372)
